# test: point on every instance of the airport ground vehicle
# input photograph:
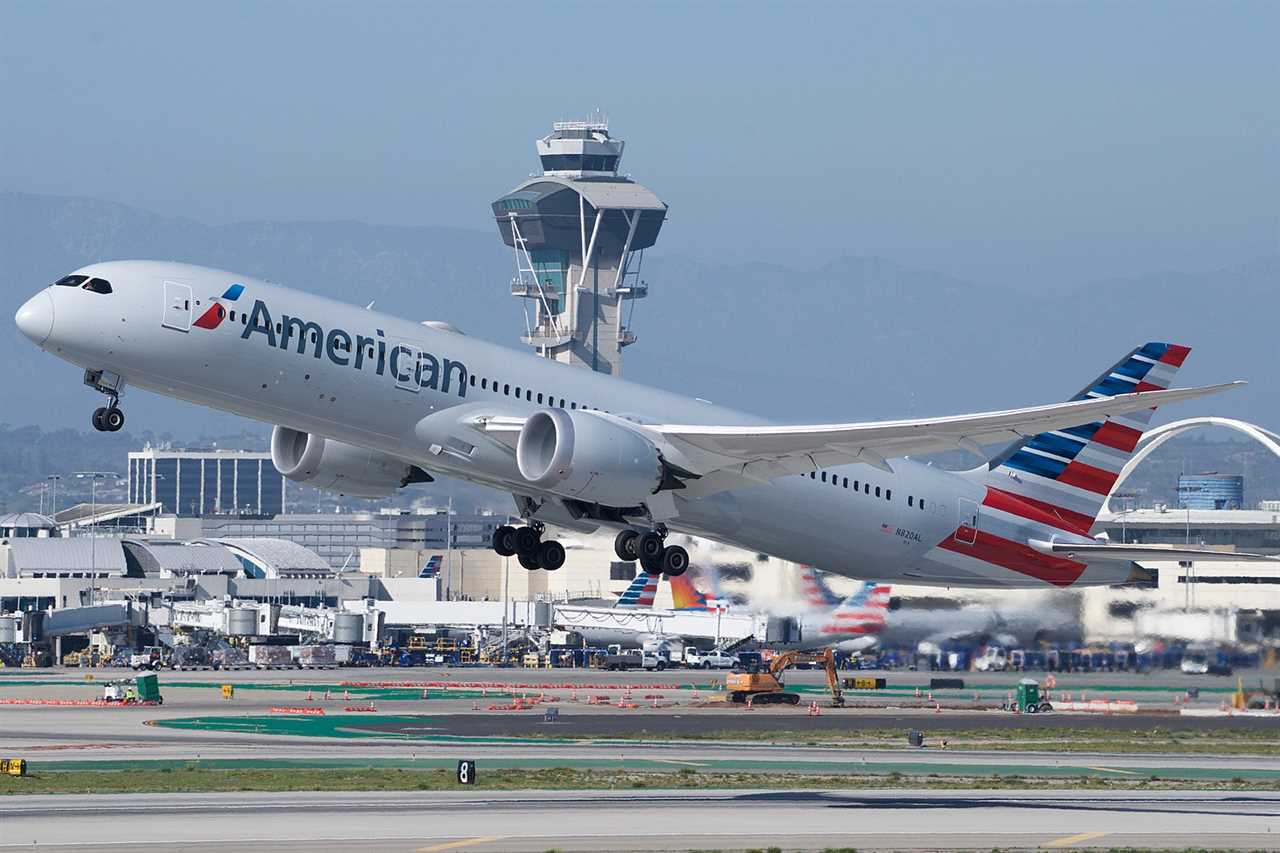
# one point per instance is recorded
(654, 660)
(616, 658)
(1204, 661)
(713, 659)
(1027, 699)
(766, 686)
(142, 690)
(151, 657)
(992, 659)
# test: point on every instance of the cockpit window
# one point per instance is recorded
(98, 285)
(71, 280)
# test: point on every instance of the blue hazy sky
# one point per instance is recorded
(1029, 144)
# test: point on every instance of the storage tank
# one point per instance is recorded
(348, 628)
(242, 622)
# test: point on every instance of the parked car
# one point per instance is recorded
(713, 659)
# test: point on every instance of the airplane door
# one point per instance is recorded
(967, 530)
(406, 368)
(177, 307)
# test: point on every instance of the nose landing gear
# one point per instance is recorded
(108, 418)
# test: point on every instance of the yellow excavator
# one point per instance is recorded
(766, 687)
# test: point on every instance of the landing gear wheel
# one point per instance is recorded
(504, 541)
(551, 555)
(97, 419)
(624, 545)
(675, 561)
(112, 419)
(527, 541)
(649, 549)
(528, 562)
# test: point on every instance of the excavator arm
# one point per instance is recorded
(826, 659)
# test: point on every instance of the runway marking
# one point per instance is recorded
(1072, 840)
(677, 761)
(465, 842)
(1113, 770)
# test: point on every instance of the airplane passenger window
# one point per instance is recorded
(813, 475)
(528, 395)
(877, 491)
(517, 391)
(472, 377)
(484, 384)
(888, 494)
(855, 485)
(922, 503)
(539, 398)
(98, 285)
(910, 501)
(824, 476)
(573, 405)
(233, 316)
(506, 389)
(562, 402)
(866, 488)
(71, 280)
(846, 482)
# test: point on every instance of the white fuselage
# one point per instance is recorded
(413, 392)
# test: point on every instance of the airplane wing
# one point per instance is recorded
(1149, 553)
(762, 452)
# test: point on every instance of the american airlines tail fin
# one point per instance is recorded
(816, 592)
(863, 612)
(1063, 477)
(641, 592)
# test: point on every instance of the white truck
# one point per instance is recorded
(713, 659)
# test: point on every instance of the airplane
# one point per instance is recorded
(853, 625)
(686, 596)
(364, 403)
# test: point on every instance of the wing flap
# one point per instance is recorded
(1151, 552)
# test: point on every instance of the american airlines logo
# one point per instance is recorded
(408, 365)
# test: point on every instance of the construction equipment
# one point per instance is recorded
(766, 686)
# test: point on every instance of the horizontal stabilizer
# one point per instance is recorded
(1151, 553)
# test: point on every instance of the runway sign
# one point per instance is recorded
(863, 682)
(466, 772)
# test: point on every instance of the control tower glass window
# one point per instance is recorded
(551, 266)
(579, 162)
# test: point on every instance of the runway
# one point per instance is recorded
(501, 822)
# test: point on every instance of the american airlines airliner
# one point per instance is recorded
(364, 403)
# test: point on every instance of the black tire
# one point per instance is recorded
(527, 541)
(675, 561)
(113, 420)
(528, 562)
(624, 545)
(504, 541)
(97, 419)
(649, 550)
(706, 664)
(1033, 709)
(551, 555)
(1045, 707)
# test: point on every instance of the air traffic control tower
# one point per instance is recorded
(579, 231)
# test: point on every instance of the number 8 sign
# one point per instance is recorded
(466, 772)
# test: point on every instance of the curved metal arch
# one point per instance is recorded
(1154, 438)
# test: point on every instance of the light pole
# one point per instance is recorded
(53, 498)
(93, 477)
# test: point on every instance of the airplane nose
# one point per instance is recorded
(35, 317)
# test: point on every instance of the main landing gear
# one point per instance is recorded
(109, 418)
(527, 545)
(648, 547)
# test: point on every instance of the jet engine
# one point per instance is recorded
(580, 455)
(340, 467)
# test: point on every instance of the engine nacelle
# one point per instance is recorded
(582, 456)
(340, 467)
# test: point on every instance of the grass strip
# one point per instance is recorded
(193, 779)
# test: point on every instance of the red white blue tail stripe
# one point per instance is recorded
(641, 592)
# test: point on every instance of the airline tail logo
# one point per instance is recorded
(816, 592)
(641, 592)
(685, 596)
(431, 568)
(214, 315)
(861, 613)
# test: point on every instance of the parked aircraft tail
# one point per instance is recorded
(816, 592)
(641, 592)
(861, 613)
(686, 596)
(1062, 478)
